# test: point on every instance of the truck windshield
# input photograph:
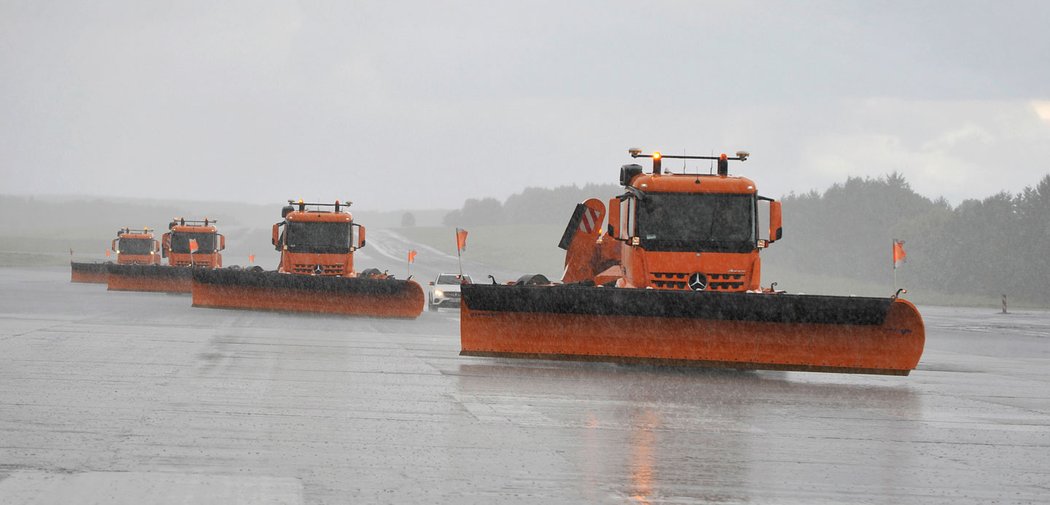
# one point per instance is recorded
(318, 238)
(692, 222)
(135, 246)
(180, 242)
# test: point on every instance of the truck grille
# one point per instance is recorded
(715, 282)
(196, 263)
(668, 280)
(300, 268)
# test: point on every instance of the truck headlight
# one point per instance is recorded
(438, 292)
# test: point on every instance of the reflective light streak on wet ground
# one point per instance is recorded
(108, 397)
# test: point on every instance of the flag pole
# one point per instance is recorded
(459, 255)
(893, 256)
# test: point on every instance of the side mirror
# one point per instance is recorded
(165, 244)
(614, 218)
(113, 245)
(431, 283)
(360, 236)
(222, 242)
(776, 228)
(156, 246)
(275, 239)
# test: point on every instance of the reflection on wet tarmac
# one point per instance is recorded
(709, 434)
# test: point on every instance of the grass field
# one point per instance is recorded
(31, 259)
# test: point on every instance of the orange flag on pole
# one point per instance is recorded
(412, 256)
(193, 245)
(461, 240)
(251, 259)
(898, 253)
(107, 253)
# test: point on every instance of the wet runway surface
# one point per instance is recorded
(109, 397)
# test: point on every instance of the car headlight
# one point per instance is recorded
(438, 292)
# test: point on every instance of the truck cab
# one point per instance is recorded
(317, 242)
(680, 231)
(193, 243)
(136, 247)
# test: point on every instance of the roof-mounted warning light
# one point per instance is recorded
(723, 159)
(338, 205)
(126, 230)
(195, 222)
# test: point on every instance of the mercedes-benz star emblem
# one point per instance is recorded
(697, 281)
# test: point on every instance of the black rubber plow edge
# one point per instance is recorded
(279, 281)
(604, 301)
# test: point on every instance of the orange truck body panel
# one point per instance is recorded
(684, 302)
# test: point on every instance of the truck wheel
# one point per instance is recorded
(433, 308)
(533, 280)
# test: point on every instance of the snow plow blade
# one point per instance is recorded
(728, 330)
(154, 278)
(254, 290)
(87, 272)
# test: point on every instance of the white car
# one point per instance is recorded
(444, 292)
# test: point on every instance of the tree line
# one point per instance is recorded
(998, 245)
(531, 206)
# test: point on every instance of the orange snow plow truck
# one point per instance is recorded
(316, 272)
(675, 279)
(133, 247)
(188, 244)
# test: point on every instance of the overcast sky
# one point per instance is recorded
(423, 104)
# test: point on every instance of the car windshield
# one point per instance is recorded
(692, 222)
(319, 238)
(180, 242)
(135, 246)
(452, 279)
